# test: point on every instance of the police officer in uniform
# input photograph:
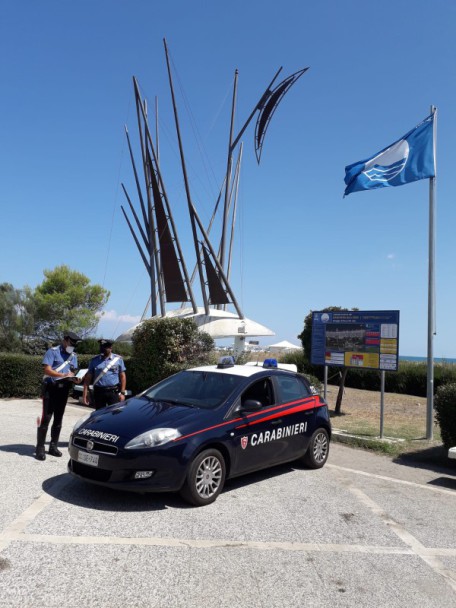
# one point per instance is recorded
(60, 363)
(107, 374)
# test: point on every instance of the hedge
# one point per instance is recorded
(410, 379)
(445, 411)
(21, 375)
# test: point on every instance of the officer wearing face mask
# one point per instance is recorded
(60, 364)
(107, 375)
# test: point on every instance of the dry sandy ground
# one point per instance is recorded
(367, 404)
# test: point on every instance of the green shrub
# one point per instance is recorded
(296, 357)
(124, 349)
(162, 347)
(90, 346)
(20, 375)
(445, 410)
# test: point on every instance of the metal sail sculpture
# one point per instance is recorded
(164, 261)
(156, 236)
(269, 106)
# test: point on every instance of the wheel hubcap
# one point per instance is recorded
(208, 477)
(320, 450)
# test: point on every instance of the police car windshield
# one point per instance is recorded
(201, 389)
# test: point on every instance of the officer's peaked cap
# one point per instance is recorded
(106, 342)
(69, 335)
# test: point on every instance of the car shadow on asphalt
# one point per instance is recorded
(431, 459)
(259, 476)
(90, 496)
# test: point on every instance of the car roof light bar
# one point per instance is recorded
(270, 363)
(225, 362)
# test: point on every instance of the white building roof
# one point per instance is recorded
(218, 324)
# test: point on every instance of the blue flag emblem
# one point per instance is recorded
(407, 160)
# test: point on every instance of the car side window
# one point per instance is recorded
(259, 391)
(291, 388)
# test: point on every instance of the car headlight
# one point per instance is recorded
(151, 439)
(81, 421)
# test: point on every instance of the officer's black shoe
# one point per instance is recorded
(53, 450)
(40, 453)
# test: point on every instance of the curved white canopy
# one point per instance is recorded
(218, 324)
(284, 345)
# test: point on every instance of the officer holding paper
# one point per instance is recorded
(107, 375)
(59, 366)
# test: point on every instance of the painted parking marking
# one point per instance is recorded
(408, 539)
(393, 480)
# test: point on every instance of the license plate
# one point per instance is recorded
(91, 459)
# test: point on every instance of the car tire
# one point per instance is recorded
(318, 450)
(205, 478)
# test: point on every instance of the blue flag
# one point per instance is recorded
(407, 160)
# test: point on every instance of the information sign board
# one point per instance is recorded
(354, 338)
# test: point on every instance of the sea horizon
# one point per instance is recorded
(420, 359)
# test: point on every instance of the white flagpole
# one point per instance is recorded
(431, 294)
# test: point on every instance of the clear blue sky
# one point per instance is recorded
(66, 72)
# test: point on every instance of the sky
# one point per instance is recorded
(66, 70)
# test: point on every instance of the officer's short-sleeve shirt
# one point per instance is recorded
(112, 377)
(57, 355)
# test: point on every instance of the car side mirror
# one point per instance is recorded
(251, 405)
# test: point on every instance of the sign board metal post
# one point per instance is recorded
(382, 401)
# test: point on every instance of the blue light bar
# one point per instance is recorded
(270, 363)
(225, 362)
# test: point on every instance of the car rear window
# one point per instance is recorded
(291, 388)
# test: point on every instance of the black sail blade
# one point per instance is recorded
(217, 294)
(269, 106)
(172, 276)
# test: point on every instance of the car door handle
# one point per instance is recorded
(308, 412)
(279, 421)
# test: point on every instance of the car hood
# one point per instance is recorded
(138, 415)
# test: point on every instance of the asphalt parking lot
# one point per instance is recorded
(363, 531)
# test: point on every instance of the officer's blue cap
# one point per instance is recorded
(69, 335)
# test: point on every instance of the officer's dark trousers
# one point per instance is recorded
(55, 396)
(103, 396)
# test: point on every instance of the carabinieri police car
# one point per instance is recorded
(201, 426)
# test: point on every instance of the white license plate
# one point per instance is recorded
(91, 459)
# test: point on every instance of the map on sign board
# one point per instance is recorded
(354, 338)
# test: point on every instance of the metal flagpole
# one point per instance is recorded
(431, 294)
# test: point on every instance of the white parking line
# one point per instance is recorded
(394, 480)
(214, 544)
(407, 538)
(15, 529)
(430, 555)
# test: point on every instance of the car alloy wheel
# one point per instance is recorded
(205, 478)
(320, 447)
(318, 450)
(208, 477)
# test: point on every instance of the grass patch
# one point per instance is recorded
(404, 420)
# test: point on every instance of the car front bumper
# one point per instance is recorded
(117, 471)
